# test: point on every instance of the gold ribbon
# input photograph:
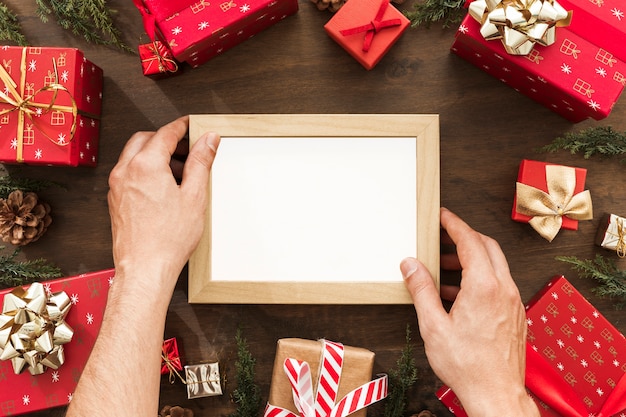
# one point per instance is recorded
(547, 209)
(27, 107)
(33, 329)
(620, 235)
(519, 24)
(165, 64)
(173, 372)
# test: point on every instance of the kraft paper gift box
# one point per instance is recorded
(576, 359)
(197, 30)
(50, 106)
(573, 77)
(26, 393)
(367, 29)
(356, 370)
(561, 184)
(611, 234)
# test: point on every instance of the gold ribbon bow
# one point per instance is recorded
(547, 209)
(520, 23)
(27, 107)
(620, 235)
(158, 57)
(33, 329)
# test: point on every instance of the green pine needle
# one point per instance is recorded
(602, 141)
(401, 378)
(14, 272)
(10, 29)
(9, 184)
(449, 12)
(247, 395)
(612, 280)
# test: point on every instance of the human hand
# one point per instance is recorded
(157, 223)
(478, 348)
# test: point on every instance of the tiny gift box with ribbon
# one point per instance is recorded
(198, 30)
(170, 359)
(157, 60)
(550, 196)
(367, 29)
(50, 105)
(575, 358)
(323, 379)
(611, 234)
(534, 48)
(203, 380)
(47, 331)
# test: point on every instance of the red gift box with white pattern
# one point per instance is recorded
(198, 30)
(573, 77)
(26, 393)
(572, 341)
(50, 106)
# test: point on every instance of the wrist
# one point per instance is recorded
(498, 403)
(144, 282)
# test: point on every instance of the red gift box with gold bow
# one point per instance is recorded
(157, 60)
(29, 391)
(50, 106)
(367, 29)
(575, 358)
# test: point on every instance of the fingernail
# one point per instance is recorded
(212, 140)
(408, 266)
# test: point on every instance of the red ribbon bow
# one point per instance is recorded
(373, 27)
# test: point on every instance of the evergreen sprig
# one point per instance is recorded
(401, 378)
(612, 280)
(9, 184)
(247, 395)
(449, 12)
(14, 272)
(592, 141)
(10, 29)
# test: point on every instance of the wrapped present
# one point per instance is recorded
(171, 363)
(612, 234)
(575, 358)
(87, 295)
(203, 380)
(367, 29)
(157, 60)
(550, 196)
(50, 105)
(197, 30)
(572, 76)
(342, 376)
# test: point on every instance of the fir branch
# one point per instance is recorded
(431, 11)
(9, 184)
(247, 395)
(14, 272)
(592, 141)
(401, 378)
(612, 280)
(90, 19)
(10, 29)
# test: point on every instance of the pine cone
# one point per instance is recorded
(23, 218)
(176, 411)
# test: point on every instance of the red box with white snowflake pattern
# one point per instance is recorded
(198, 30)
(25, 393)
(50, 106)
(577, 342)
(573, 77)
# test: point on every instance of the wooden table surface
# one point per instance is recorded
(294, 67)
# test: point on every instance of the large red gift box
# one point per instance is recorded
(25, 393)
(50, 106)
(574, 77)
(198, 30)
(367, 29)
(575, 361)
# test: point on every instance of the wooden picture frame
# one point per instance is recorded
(422, 129)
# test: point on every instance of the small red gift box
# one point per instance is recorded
(573, 77)
(198, 30)
(26, 393)
(50, 106)
(157, 60)
(563, 186)
(367, 29)
(170, 358)
(575, 361)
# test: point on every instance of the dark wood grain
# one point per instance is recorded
(294, 67)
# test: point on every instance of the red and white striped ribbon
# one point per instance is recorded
(323, 403)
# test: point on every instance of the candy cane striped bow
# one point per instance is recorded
(322, 403)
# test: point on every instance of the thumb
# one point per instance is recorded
(199, 161)
(424, 293)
